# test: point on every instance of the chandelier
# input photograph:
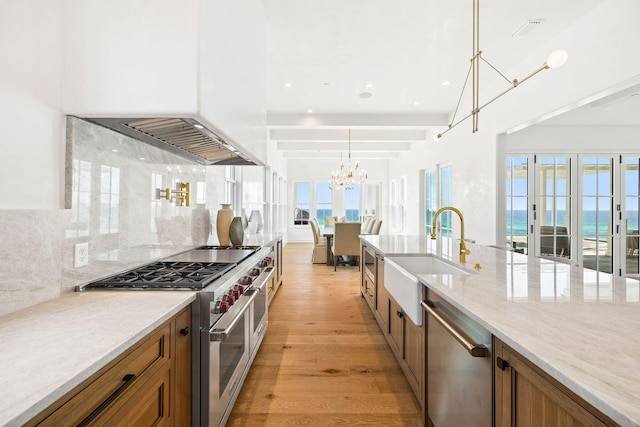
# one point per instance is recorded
(554, 60)
(346, 177)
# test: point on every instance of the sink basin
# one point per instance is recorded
(400, 279)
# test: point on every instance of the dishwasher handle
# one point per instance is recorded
(475, 350)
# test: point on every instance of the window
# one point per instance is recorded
(302, 203)
(517, 202)
(370, 199)
(431, 197)
(109, 199)
(555, 206)
(352, 204)
(324, 202)
(438, 189)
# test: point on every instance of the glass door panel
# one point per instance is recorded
(597, 214)
(555, 206)
(517, 203)
(631, 184)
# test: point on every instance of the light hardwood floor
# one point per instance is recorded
(324, 360)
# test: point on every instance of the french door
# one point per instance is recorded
(580, 208)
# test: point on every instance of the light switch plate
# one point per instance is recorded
(81, 255)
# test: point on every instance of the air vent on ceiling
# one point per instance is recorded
(526, 28)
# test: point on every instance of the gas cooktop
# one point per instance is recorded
(192, 270)
(165, 275)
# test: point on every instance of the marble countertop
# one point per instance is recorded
(578, 325)
(49, 348)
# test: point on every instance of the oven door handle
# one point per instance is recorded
(220, 333)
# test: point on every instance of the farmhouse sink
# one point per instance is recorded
(400, 279)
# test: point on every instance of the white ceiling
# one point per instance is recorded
(328, 50)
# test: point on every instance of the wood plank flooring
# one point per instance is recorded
(324, 360)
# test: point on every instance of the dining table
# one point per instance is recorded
(327, 232)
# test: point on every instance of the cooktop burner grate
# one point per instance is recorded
(166, 275)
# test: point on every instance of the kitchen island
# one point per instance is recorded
(577, 325)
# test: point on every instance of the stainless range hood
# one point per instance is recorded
(184, 137)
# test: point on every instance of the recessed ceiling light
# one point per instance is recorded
(446, 83)
(416, 102)
(325, 84)
(369, 85)
(365, 95)
(309, 111)
(197, 126)
(288, 84)
(115, 150)
(142, 158)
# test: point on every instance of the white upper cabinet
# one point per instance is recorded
(203, 59)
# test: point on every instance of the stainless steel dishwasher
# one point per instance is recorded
(459, 367)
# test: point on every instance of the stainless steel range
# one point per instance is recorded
(231, 311)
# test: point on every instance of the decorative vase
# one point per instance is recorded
(236, 232)
(245, 218)
(256, 216)
(200, 225)
(223, 221)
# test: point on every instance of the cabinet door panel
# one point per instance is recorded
(525, 396)
(396, 328)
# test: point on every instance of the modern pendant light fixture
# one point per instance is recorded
(554, 60)
(346, 177)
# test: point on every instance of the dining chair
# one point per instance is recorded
(377, 225)
(329, 221)
(369, 226)
(365, 223)
(346, 242)
(319, 255)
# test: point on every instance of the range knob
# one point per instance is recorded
(245, 280)
(255, 271)
(265, 262)
(230, 299)
(236, 294)
(224, 306)
(240, 288)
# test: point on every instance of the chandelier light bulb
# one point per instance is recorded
(556, 59)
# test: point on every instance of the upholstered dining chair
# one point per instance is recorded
(319, 255)
(329, 221)
(346, 242)
(370, 226)
(377, 225)
(365, 223)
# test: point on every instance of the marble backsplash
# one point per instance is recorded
(111, 204)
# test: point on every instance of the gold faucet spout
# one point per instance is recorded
(463, 248)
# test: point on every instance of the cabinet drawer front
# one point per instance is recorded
(146, 406)
(113, 381)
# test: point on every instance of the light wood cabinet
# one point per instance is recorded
(407, 342)
(527, 396)
(405, 339)
(147, 385)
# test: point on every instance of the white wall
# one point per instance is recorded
(32, 127)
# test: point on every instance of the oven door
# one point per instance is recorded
(229, 352)
(259, 309)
